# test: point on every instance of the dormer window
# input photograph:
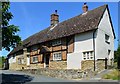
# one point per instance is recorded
(34, 48)
(107, 38)
(56, 42)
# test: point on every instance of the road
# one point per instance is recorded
(8, 76)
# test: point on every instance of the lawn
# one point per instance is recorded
(114, 75)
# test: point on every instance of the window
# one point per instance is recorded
(107, 39)
(57, 56)
(88, 55)
(34, 48)
(35, 59)
(91, 54)
(109, 52)
(20, 60)
(56, 42)
(84, 55)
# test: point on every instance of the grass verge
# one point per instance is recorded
(114, 75)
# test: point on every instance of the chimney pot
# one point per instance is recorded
(55, 11)
(54, 19)
(85, 3)
(85, 8)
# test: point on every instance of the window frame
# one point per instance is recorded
(107, 38)
(21, 61)
(34, 60)
(34, 48)
(56, 42)
(88, 55)
(58, 56)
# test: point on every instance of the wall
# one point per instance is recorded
(101, 46)
(35, 66)
(74, 61)
(12, 59)
(15, 65)
(70, 44)
(87, 64)
(58, 65)
(83, 42)
(63, 73)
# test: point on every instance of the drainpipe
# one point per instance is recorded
(94, 47)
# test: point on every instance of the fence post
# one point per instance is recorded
(105, 63)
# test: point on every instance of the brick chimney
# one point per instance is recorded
(54, 19)
(85, 8)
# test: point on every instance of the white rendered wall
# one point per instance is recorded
(83, 42)
(12, 59)
(101, 46)
(28, 60)
(74, 61)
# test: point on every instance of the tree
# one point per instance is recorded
(117, 57)
(2, 60)
(9, 32)
(117, 54)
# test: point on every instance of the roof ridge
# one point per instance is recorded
(65, 21)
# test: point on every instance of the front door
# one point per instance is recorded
(47, 60)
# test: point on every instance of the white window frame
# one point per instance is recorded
(35, 57)
(57, 56)
(88, 55)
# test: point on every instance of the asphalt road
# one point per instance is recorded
(17, 77)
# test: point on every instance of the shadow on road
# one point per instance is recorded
(15, 78)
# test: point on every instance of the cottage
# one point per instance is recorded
(81, 42)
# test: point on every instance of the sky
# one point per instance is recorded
(32, 17)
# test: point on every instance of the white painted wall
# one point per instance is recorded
(28, 60)
(101, 46)
(83, 42)
(74, 61)
(12, 59)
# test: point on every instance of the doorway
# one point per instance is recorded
(46, 60)
(28, 60)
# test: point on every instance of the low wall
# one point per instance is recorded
(15, 66)
(36, 66)
(61, 73)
